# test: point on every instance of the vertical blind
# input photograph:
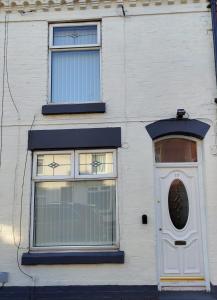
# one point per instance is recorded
(75, 76)
(79, 213)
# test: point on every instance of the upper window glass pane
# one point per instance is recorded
(175, 150)
(75, 35)
(54, 165)
(95, 163)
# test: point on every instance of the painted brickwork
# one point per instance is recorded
(154, 60)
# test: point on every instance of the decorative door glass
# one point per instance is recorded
(178, 204)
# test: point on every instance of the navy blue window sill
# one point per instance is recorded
(58, 109)
(116, 257)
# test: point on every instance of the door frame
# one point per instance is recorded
(202, 206)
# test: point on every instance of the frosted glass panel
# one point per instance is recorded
(95, 163)
(75, 76)
(75, 213)
(175, 150)
(53, 165)
(75, 35)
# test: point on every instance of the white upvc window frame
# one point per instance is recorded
(81, 47)
(96, 176)
(52, 26)
(36, 177)
(73, 178)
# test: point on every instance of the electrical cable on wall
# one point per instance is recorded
(5, 78)
(6, 70)
(15, 188)
(3, 87)
(21, 209)
(123, 10)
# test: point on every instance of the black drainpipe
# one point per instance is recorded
(214, 31)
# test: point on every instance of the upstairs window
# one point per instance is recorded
(75, 63)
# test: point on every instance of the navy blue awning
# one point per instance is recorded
(188, 127)
(83, 138)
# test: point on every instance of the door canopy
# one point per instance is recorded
(187, 127)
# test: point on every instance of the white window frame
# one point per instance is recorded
(72, 178)
(36, 177)
(84, 47)
(52, 26)
(105, 176)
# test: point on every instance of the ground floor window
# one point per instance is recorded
(74, 199)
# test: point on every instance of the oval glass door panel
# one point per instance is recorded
(178, 204)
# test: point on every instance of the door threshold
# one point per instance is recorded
(183, 288)
(182, 284)
(182, 279)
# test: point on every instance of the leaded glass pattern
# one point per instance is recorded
(53, 165)
(75, 35)
(96, 163)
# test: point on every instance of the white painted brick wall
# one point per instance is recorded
(151, 65)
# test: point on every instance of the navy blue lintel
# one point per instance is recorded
(84, 138)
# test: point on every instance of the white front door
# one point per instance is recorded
(179, 221)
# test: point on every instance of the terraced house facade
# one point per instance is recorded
(108, 148)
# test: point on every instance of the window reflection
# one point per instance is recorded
(95, 163)
(79, 213)
(175, 150)
(53, 165)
